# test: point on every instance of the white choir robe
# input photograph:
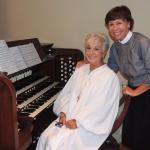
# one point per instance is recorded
(90, 97)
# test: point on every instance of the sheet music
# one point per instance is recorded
(7, 63)
(19, 60)
(30, 55)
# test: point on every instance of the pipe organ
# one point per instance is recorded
(35, 89)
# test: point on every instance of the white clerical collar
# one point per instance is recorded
(127, 38)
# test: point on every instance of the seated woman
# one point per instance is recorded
(88, 104)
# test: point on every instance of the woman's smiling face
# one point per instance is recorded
(118, 29)
(94, 51)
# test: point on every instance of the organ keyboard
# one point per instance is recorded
(38, 86)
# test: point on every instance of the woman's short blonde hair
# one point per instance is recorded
(100, 36)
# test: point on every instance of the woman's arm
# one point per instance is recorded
(112, 62)
(135, 92)
(81, 63)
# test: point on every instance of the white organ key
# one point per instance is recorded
(31, 85)
(36, 95)
(45, 105)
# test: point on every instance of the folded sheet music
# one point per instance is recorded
(7, 62)
(29, 54)
(17, 58)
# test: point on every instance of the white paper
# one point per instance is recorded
(7, 62)
(17, 58)
(30, 55)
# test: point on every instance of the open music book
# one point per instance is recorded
(17, 58)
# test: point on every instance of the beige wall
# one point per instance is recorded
(64, 22)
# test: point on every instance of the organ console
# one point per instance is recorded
(27, 96)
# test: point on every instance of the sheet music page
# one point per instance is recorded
(7, 63)
(30, 55)
(19, 60)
